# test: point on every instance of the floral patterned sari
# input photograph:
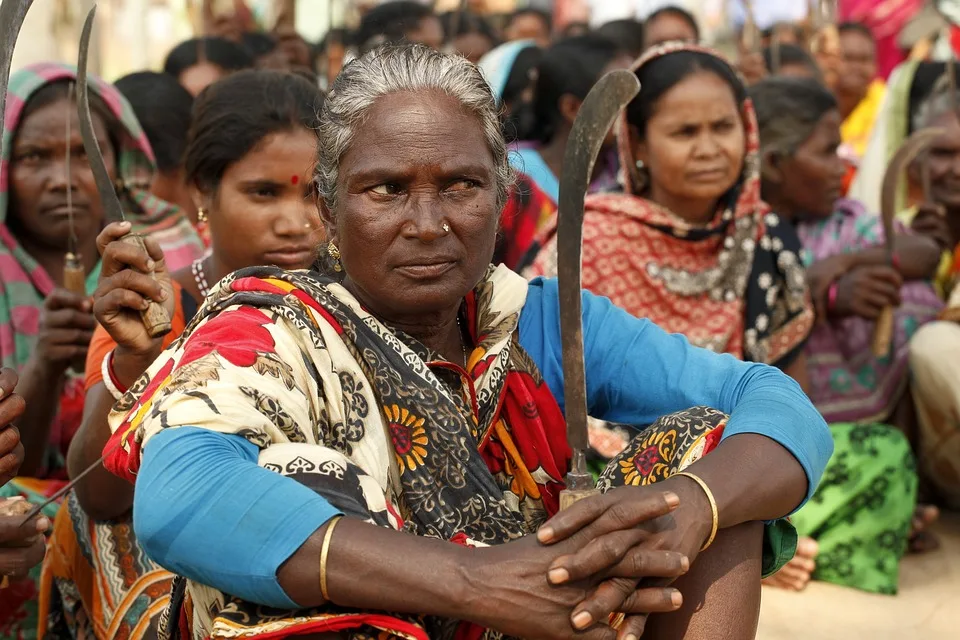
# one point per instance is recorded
(383, 428)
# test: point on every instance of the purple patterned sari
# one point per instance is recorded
(849, 384)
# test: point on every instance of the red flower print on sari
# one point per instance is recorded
(239, 336)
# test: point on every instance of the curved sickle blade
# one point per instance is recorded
(596, 117)
(907, 153)
(108, 196)
(12, 15)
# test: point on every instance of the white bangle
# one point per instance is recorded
(108, 376)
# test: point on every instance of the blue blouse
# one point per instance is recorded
(204, 509)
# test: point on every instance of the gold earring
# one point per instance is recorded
(201, 215)
(335, 255)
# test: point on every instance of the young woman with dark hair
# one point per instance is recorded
(567, 72)
(249, 165)
(162, 107)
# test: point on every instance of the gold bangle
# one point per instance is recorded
(324, 550)
(713, 507)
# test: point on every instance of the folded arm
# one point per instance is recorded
(776, 441)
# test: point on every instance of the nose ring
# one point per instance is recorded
(446, 227)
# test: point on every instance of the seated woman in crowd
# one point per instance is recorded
(407, 394)
(567, 72)
(511, 71)
(935, 350)
(46, 329)
(162, 107)
(250, 168)
(861, 541)
(200, 62)
(909, 86)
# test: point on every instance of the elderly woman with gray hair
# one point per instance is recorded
(376, 446)
(861, 514)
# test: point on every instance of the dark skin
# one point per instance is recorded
(693, 146)
(38, 218)
(401, 181)
(552, 152)
(805, 185)
(939, 219)
(264, 212)
(22, 545)
(858, 68)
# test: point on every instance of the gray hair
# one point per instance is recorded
(938, 103)
(395, 69)
(788, 110)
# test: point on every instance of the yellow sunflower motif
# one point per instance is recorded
(651, 459)
(408, 435)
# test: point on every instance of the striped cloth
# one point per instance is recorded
(24, 285)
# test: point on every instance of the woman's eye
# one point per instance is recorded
(30, 156)
(723, 127)
(463, 185)
(387, 189)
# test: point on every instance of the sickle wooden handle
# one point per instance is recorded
(569, 497)
(74, 279)
(155, 317)
(883, 333)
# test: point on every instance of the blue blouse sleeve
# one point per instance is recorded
(636, 373)
(194, 482)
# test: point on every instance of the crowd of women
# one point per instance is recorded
(355, 425)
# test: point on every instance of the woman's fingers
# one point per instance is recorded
(605, 600)
(119, 256)
(63, 299)
(116, 302)
(8, 381)
(111, 233)
(143, 285)
(618, 555)
(598, 556)
(622, 508)
(633, 627)
(68, 319)
(653, 600)
(16, 562)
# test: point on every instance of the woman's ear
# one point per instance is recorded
(638, 146)
(199, 199)
(771, 167)
(569, 107)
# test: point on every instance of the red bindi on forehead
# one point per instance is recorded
(294, 180)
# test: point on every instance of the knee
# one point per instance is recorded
(934, 343)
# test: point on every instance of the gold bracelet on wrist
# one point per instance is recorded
(324, 550)
(713, 507)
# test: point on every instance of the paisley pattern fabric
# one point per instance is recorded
(734, 285)
(384, 429)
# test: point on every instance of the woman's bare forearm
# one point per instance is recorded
(751, 477)
(102, 495)
(41, 388)
(372, 567)
(919, 256)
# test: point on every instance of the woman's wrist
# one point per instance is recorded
(695, 511)
(127, 366)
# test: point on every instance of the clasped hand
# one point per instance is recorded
(609, 554)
